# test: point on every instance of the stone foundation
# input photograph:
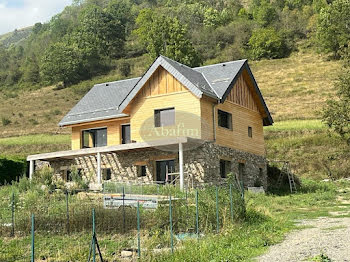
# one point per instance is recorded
(201, 163)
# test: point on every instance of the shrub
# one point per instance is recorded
(125, 68)
(267, 43)
(10, 168)
(5, 121)
(33, 121)
(44, 176)
(24, 184)
(55, 112)
(78, 178)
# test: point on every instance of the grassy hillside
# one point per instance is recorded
(16, 36)
(294, 88)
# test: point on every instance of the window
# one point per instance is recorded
(106, 174)
(164, 117)
(250, 131)
(141, 171)
(225, 167)
(94, 137)
(66, 175)
(126, 138)
(224, 119)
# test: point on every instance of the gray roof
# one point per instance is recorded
(108, 100)
(101, 102)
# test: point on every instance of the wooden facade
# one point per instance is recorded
(162, 90)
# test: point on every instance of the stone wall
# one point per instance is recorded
(201, 163)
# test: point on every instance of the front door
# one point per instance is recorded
(162, 168)
(125, 134)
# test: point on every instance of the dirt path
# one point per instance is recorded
(327, 235)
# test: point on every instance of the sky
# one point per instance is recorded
(16, 14)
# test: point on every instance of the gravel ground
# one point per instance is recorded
(327, 235)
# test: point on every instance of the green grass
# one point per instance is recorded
(296, 125)
(35, 140)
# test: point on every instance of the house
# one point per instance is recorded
(175, 122)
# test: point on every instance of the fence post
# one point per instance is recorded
(123, 209)
(33, 254)
(138, 230)
(67, 212)
(242, 194)
(171, 226)
(93, 236)
(13, 215)
(231, 203)
(197, 215)
(217, 210)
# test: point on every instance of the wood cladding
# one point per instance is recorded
(242, 95)
(162, 91)
(160, 83)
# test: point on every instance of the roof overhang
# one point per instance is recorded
(170, 144)
(117, 116)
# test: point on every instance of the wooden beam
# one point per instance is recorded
(107, 149)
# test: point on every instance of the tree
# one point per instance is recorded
(31, 72)
(265, 14)
(267, 43)
(61, 62)
(100, 33)
(164, 35)
(333, 29)
(336, 114)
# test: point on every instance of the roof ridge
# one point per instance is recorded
(228, 62)
(176, 62)
(210, 85)
(117, 81)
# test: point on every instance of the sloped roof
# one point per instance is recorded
(108, 100)
(101, 102)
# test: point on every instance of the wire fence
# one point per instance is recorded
(164, 214)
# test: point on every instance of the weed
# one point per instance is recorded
(321, 258)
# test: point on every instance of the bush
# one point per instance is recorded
(124, 68)
(10, 168)
(5, 121)
(267, 43)
(44, 176)
(33, 121)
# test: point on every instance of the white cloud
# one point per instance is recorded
(28, 13)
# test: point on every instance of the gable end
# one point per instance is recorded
(267, 120)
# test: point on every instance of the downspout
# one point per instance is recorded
(214, 121)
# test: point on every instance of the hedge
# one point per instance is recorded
(11, 168)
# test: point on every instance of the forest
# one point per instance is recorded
(93, 37)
